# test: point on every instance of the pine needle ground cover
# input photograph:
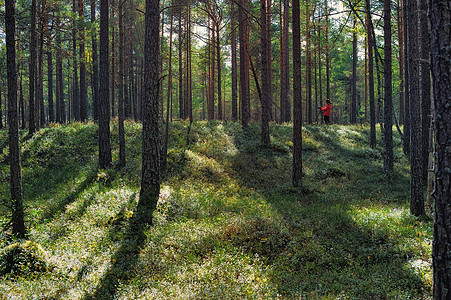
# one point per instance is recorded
(228, 223)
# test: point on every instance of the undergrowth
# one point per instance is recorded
(228, 224)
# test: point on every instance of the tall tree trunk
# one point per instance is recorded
(268, 51)
(371, 47)
(188, 87)
(40, 109)
(439, 16)
(1, 107)
(400, 20)
(365, 93)
(22, 103)
(76, 90)
(211, 98)
(113, 60)
(286, 42)
(169, 94)
(150, 181)
(33, 70)
(180, 36)
(17, 218)
(388, 102)
(95, 66)
(320, 67)
(416, 175)
(83, 88)
(218, 61)
(353, 111)
(425, 90)
(266, 97)
(406, 142)
(282, 64)
(234, 64)
(308, 65)
(243, 32)
(327, 54)
(121, 86)
(297, 101)
(50, 86)
(104, 103)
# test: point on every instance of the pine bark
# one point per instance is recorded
(308, 63)
(234, 63)
(297, 101)
(371, 47)
(353, 110)
(285, 110)
(104, 104)
(40, 109)
(425, 91)
(150, 182)
(32, 70)
(388, 102)
(50, 86)
(121, 86)
(265, 73)
(401, 61)
(439, 16)
(75, 88)
(416, 175)
(406, 141)
(94, 67)
(244, 62)
(17, 218)
(83, 87)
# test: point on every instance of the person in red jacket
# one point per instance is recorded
(326, 110)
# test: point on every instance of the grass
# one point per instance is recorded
(228, 225)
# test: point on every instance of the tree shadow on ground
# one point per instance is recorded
(124, 261)
(327, 251)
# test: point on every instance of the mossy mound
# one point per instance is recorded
(23, 258)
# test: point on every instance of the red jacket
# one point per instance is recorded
(327, 109)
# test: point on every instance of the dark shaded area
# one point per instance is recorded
(125, 259)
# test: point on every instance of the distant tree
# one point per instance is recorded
(285, 109)
(308, 65)
(388, 102)
(32, 70)
(1, 108)
(95, 66)
(121, 84)
(416, 175)
(40, 109)
(60, 106)
(82, 57)
(371, 47)
(265, 72)
(406, 141)
(440, 18)
(353, 110)
(17, 218)
(297, 101)
(425, 90)
(75, 88)
(150, 181)
(234, 62)
(243, 32)
(104, 107)
(50, 86)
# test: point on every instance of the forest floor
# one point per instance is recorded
(229, 225)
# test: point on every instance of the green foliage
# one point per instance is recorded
(23, 258)
(228, 222)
